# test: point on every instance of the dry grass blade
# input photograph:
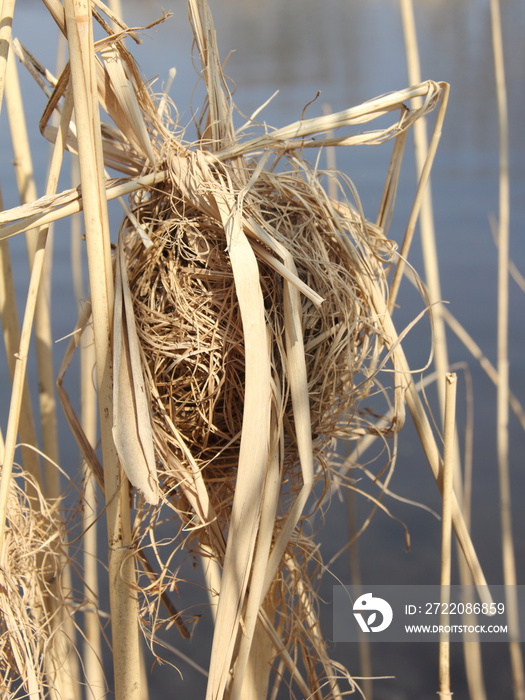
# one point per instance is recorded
(253, 451)
(131, 414)
(446, 532)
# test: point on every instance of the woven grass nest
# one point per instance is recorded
(192, 338)
(320, 350)
(191, 331)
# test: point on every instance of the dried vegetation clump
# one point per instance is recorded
(190, 328)
(192, 337)
(31, 592)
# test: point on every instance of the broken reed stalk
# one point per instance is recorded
(472, 650)
(507, 540)
(428, 443)
(123, 602)
(446, 531)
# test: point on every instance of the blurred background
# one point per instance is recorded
(352, 51)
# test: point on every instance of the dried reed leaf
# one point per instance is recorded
(83, 442)
(47, 209)
(131, 414)
(132, 120)
(253, 450)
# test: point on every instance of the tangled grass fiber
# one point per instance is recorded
(250, 326)
(30, 594)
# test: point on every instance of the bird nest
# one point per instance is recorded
(191, 332)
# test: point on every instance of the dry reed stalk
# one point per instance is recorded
(11, 335)
(123, 603)
(472, 650)
(20, 650)
(507, 540)
(92, 648)
(7, 8)
(116, 8)
(10, 322)
(42, 323)
(446, 530)
(18, 382)
(365, 651)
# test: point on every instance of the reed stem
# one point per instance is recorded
(42, 322)
(123, 601)
(509, 562)
(446, 532)
(7, 9)
(92, 648)
(472, 651)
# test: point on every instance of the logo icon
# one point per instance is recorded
(365, 610)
